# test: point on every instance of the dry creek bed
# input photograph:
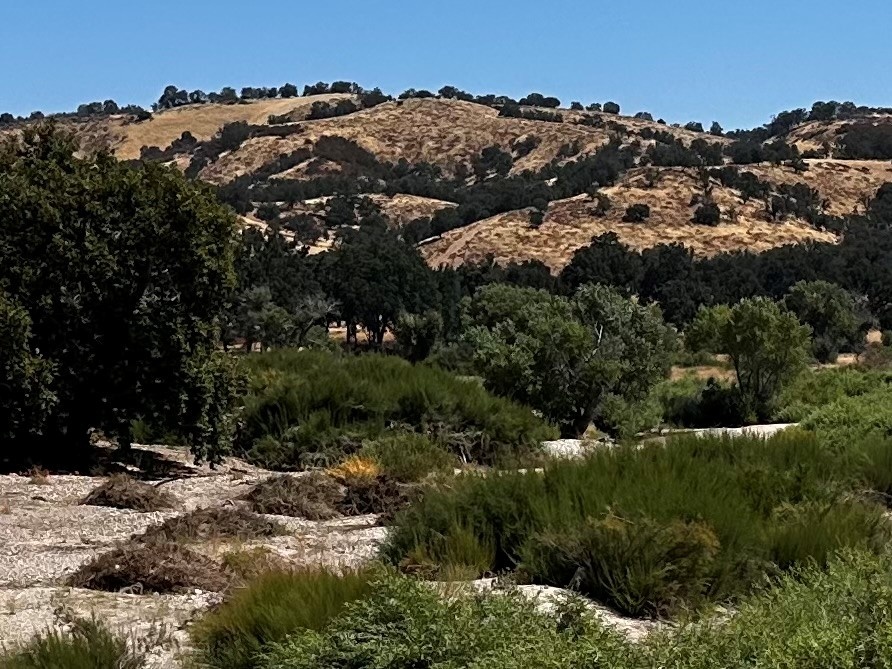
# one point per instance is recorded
(45, 534)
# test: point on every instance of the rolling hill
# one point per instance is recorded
(263, 148)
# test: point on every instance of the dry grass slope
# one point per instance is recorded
(570, 224)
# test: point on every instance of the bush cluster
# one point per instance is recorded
(655, 529)
(312, 407)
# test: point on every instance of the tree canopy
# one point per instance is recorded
(113, 282)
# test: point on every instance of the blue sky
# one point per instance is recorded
(735, 62)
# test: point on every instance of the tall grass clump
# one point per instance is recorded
(409, 457)
(650, 530)
(313, 407)
(87, 645)
(269, 609)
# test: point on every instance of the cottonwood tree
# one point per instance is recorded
(566, 357)
(117, 277)
(768, 347)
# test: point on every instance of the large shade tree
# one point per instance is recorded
(112, 283)
(375, 276)
(567, 357)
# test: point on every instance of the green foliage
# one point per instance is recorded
(409, 457)
(830, 312)
(87, 645)
(768, 348)
(816, 389)
(408, 624)
(835, 617)
(838, 617)
(651, 530)
(26, 399)
(708, 213)
(375, 277)
(636, 213)
(269, 609)
(115, 280)
(850, 419)
(567, 357)
(704, 332)
(312, 407)
(692, 403)
(641, 566)
(417, 334)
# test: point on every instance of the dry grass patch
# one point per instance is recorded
(215, 523)
(156, 566)
(124, 492)
(380, 495)
(314, 497)
(250, 563)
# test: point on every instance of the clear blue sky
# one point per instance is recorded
(736, 61)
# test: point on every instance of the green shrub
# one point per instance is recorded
(409, 457)
(711, 512)
(88, 645)
(815, 389)
(642, 566)
(877, 467)
(820, 530)
(836, 617)
(313, 407)
(406, 624)
(269, 609)
(852, 419)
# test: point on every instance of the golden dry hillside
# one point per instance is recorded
(846, 185)
(451, 134)
(572, 223)
(441, 132)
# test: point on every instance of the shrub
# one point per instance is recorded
(380, 494)
(403, 623)
(693, 403)
(409, 457)
(562, 356)
(315, 496)
(851, 419)
(831, 313)
(271, 608)
(818, 388)
(653, 529)
(124, 492)
(815, 617)
(636, 213)
(304, 407)
(708, 213)
(768, 348)
(643, 567)
(145, 256)
(704, 332)
(85, 645)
